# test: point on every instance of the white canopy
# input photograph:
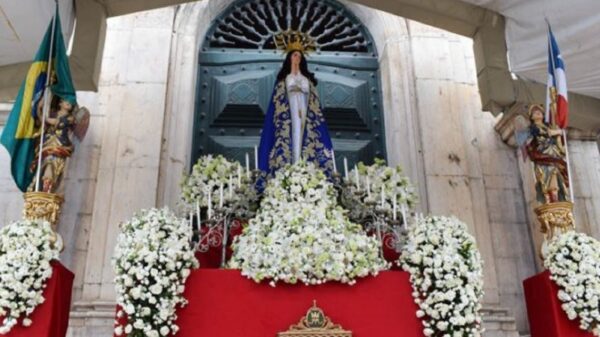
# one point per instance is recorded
(24, 23)
(576, 27)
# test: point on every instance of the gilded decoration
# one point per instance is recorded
(281, 153)
(315, 324)
(45, 206)
(555, 218)
(313, 148)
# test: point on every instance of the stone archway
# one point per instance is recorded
(238, 64)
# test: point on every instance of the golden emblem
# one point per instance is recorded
(315, 324)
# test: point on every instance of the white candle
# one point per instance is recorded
(239, 177)
(333, 158)
(209, 212)
(356, 176)
(191, 220)
(230, 187)
(368, 186)
(221, 196)
(256, 157)
(247, 165)
(198, 212)
(404, 219)
(345, 167)
(395, 207)
(382, 196)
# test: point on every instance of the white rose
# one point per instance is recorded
(156, 289)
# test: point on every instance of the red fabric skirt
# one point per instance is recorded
(51, 318)
(546, 317)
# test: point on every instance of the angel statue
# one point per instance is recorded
(294, 127)
(62, 123)
(544, 146)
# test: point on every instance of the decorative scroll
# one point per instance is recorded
(315, 324)
(42, 205)
(556, 218)
(254, 24)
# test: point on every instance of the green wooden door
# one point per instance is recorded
(238, 65)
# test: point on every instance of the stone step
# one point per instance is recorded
(499, 322)
(496, 311)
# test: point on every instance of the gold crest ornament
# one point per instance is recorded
(290, 40)
(315, 324)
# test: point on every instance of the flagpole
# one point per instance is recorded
(552, 94)
(46, 102)
(554, 113)
(571, 195)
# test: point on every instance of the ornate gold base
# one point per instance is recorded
(555, 218)
(44, 206)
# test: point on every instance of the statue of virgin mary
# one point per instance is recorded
(294, 127)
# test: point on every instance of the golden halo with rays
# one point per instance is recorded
(290, 40)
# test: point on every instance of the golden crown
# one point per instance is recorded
(294, 40)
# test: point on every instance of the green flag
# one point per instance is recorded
(21, 133)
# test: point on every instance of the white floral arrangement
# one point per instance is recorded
(26, 249)
(378, 185)
(208, 175)
(300, 234)
(574, 263)
(152, 260)
(446, 274)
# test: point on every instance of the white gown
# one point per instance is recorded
(298, 89)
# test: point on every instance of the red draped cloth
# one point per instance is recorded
(51, 318)
(546, 317)
(222, 303)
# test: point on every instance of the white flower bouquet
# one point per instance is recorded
(574, 263)
(26, 250)
(446, 274)
(219, 181)
(152, 260)
(378, 185)
(300, 234)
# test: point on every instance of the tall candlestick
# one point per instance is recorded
(345, 167)
(221, 196)
(356, 176)
(333, 159)
(395, 207)
(239, 176)
(368, 186)
(230, 187)
(256, 157)
(382, 196)
(192, 220)
(247, 165)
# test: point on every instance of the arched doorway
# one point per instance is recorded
(238, 63)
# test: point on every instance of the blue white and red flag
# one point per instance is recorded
(557, 83)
